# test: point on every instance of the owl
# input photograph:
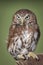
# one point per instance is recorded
(24, 34)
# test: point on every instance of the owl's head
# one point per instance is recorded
(24, 16)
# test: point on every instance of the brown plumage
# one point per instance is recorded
(24, 33)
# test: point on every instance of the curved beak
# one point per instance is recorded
(22, 21)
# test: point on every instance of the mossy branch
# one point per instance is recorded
(32, 61)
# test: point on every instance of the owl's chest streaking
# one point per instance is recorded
(23, 41)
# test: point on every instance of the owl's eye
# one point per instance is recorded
(18, 17)
(27, 17)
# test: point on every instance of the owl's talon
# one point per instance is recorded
(20, 57)
(34, 56)
(38, 58)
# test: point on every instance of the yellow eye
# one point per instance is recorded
(18, 17)
(27, 17)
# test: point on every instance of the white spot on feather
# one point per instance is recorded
(24, 51)
(26, 36)
(35, 35)
(13, 26)
(18, 42)
(33, 45)
(10, 48)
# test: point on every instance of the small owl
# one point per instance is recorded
(23, 35)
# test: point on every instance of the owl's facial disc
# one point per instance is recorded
(22, 19)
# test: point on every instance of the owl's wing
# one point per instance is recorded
(35, 37)
(38, 30)
(11, 34)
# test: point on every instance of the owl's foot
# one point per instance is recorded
(33, 55)
(20, 56)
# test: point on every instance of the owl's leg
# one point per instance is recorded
(20, 56)
(33, 55)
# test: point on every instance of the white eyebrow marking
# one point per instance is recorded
(18, 15)
(26, 15)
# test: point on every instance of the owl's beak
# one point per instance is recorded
(22, 20)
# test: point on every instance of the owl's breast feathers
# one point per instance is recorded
(22, 40)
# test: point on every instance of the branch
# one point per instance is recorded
(32, 61)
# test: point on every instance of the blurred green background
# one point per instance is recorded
(7, 9)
